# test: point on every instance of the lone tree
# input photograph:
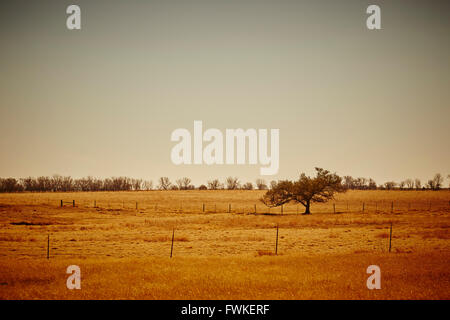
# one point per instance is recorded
(305, 190)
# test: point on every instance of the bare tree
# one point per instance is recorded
(402, 184)
(261, 184)
(438, 181)
(360, 183)
(214, 184)
(372, 184)
(183, 183)
(390, 185)
(417, 184)
(409, 183)
(136, 184)
(232, 183)
(147, 185)
(248, 186)
(305, 190)
(56, 182)
(164, 183)
(348, 182)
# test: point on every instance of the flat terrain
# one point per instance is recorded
(224, 245)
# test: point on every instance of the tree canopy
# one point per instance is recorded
(305, 190)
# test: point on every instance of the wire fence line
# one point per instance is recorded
(248, 207)
(276, 241)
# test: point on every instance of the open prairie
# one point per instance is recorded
(224, 245)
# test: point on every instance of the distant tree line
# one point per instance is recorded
(58, 183)
(436, 183)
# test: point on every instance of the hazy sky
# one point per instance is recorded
(103, 100)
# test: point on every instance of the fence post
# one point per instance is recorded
(334, 207)
(363, 206)
(229, 208)
(61, 203)
(48, 246)
(255, 208)
(390, 238)
(203, 207)
(276, 243)
(171, 248)
(281, 208)
(136, 205)
(73, 203)
(95, 203)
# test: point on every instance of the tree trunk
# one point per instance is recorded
(307, 208)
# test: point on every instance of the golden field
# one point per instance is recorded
(223, 249)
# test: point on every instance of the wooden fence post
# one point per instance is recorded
(390, 238)
(229, 208)
(173, 236)
(61, 203)
(281, 208)
(203, 207)
(276, 243)
(334, 207)
(363, 206)
(48, 246)
(73, 203)
(255, 208)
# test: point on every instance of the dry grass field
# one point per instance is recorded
(224, 246)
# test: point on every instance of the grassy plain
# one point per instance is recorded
(223, 249)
